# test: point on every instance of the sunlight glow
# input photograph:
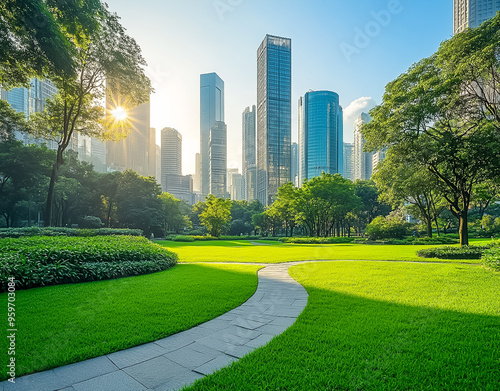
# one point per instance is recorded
(119, 113)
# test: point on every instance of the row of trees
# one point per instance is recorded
(440, 124)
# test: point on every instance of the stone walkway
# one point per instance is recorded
(176, 361)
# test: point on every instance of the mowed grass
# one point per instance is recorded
(275, 252)
(381, 326)
(63, 324)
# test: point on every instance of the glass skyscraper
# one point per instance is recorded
(217, 152)
(320, 134)
(211, 111)
(249, 154)
(274, 84)
(363, 161)
(471, 13)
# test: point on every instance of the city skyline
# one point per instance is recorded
(202, 40)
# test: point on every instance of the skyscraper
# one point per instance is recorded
(171, 152)
(211, 111)
(377, 158)
(471, 13)
(349, 161)
(320, 134)
(363, 164)
(294, 171)
(197, 174)
(217, 151)
(249, 154)
(132, 152)
(274, 85)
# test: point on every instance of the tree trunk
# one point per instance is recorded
(437, 225)
(429, 227)
(464, 231)
(50, 194)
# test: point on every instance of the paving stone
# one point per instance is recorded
(261, 340)
(177, 341)
(246, 324)
(115, 381)
(239, 351)
(271, 329)
(283, 321)
(154, 372)
(128, 357)
(179, 381)
(84, 370)
(190, 358)
(42, 381)
(217, 363)
(215, 324)
(215, 343)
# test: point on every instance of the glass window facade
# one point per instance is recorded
(320, 134)
(274, 84)
(211, 111)
(471, 13)
(249, 151)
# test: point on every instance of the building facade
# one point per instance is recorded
(377, 158)
(349, 161)
(211, 111)
(320, 134)
(180, 186)
(471, 13)
(274, 82)
(249, 153)
(197, 173)
(217, 151)
(171, 152)
(363, 163)
(294, 170)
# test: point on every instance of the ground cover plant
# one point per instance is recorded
(43, 260)
(63, 324)
(63, 231)
(465, 252)
(491, 258)
(381, 326)
(274, 252)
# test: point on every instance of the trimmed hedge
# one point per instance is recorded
(491, 257)
(448, 252)
(423, 241)
(318, 240)
(63, 231)
(44, 260)
(183, 238)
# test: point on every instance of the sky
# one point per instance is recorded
(351, 47)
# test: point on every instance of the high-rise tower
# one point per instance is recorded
(211, 111)
(320, 134)
(274, 86)
(471, 13)
(249, 167)
(363, 163)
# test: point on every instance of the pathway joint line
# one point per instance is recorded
(181, 359)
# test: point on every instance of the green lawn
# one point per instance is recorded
(63, 324)
(381, 326)
(275, 252)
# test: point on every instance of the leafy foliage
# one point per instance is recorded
(448, 252)
(216, 215)
(491, 257)
(42, 260)
(394, 226)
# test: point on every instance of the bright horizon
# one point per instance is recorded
(351, 48)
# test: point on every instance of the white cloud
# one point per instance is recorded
(353, 110)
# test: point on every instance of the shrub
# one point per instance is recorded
(448, 252)
(41, 261)
(386, 228)
(91, 222)
(318, 240)
(436, 240)
(491, 257)
(183, 238)
(63, 231)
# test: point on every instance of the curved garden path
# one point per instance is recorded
(180, 359)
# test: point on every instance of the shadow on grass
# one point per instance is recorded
(346, 342)
(62, 324)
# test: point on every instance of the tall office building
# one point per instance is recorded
(211, 111)
(249, 153)
(377, 158)
(171, 152)
(471, 13)
(349, 161)
(235, 188)
(294, 170)
(132, 152)
(274, 105)
(363, 163)
(320, 134)
(217, 151)
(197, 174)
(158, 163)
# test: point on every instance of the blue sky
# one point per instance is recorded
(351, 47)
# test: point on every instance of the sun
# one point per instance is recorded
(119, 113)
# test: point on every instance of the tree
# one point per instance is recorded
(370, 207)
(283, 208)
(174, 213)
(216, 216)
(137, 202)
(401, 183)
(427, 120)
(109, 61)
